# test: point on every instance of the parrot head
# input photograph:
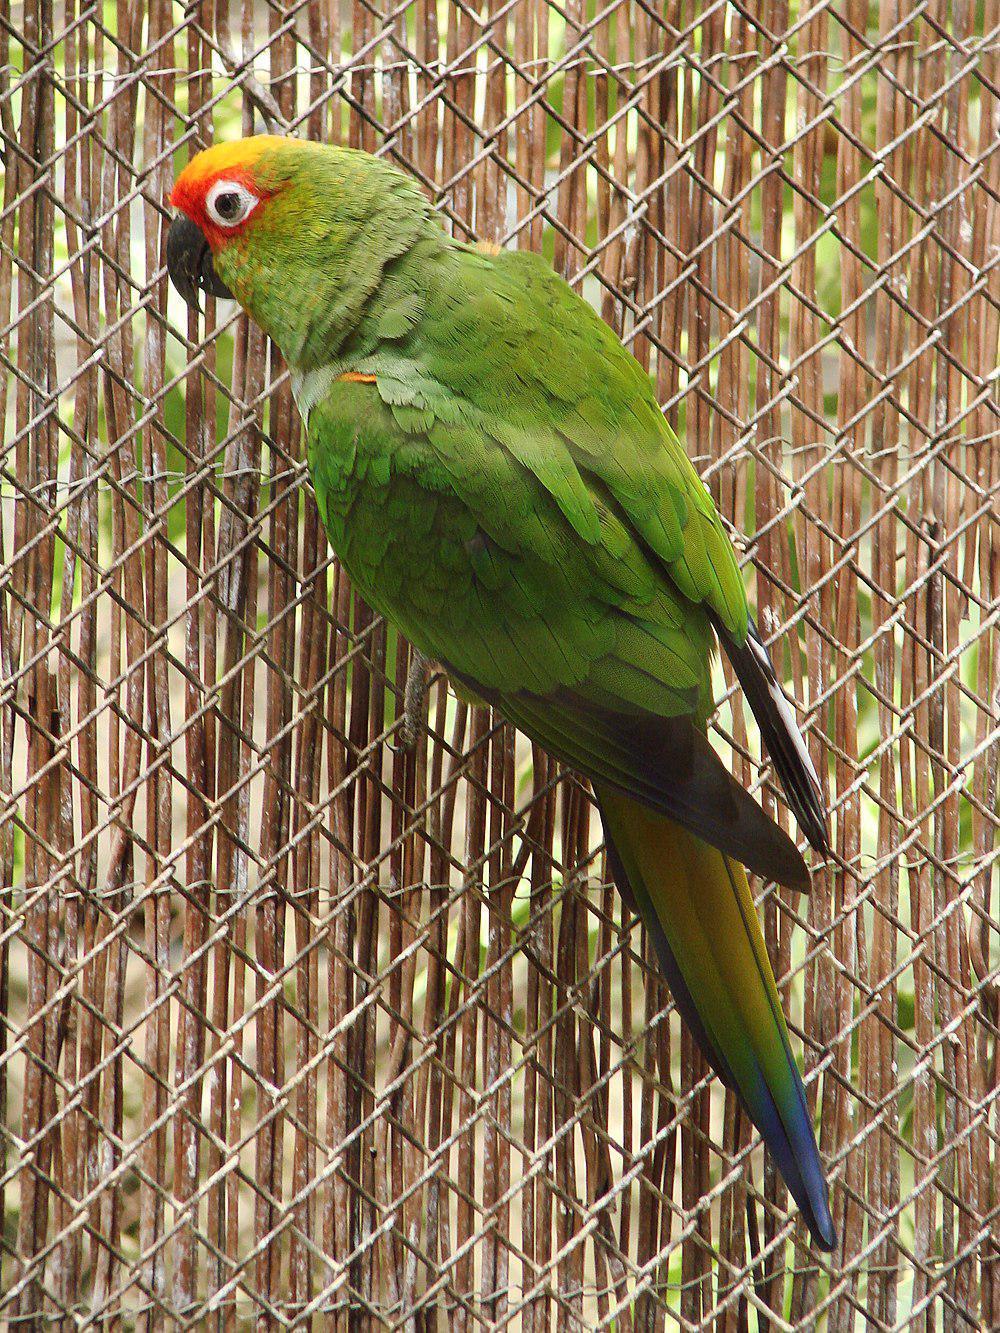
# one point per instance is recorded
(299, 233)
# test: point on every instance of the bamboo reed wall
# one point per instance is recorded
(302, 1030)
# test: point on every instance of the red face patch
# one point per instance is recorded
(197, 192)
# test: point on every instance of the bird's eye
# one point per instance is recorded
(229, 203)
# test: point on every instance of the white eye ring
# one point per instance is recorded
(228, 203)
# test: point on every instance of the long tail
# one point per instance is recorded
(697, 906)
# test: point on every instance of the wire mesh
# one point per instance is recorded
(303, 1029)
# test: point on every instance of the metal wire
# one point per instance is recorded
(301, 1028)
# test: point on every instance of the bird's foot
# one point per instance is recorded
(414, 702)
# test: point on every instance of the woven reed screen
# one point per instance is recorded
(302, 1029)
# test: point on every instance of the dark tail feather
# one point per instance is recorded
(780, 734)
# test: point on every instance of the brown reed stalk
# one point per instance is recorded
(877, 1043)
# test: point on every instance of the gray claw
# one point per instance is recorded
(414, 701)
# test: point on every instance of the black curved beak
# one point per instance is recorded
(189, 262)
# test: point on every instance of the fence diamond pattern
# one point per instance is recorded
(302, 1029)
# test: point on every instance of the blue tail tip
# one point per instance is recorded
(820, 1222)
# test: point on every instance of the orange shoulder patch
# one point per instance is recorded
(356, 377)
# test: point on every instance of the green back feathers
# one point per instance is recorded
(478, 357)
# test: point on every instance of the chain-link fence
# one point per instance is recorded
(300, 1027)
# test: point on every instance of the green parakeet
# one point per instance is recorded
(496, 475)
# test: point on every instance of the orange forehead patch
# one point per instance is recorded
(237, 157)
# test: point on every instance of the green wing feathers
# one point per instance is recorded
(507, 353)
